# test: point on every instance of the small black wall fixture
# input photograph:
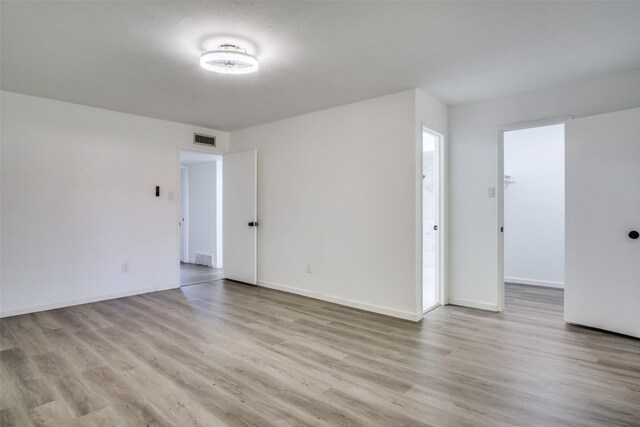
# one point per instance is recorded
(157, 191)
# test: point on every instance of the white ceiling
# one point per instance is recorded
(142, 57)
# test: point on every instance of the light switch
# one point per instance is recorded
(491, 192)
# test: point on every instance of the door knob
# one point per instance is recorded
(633, 234)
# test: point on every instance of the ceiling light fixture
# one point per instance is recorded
(229, 59)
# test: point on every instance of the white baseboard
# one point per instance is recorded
(406, 315)
(69, 303)
(473, 304)
(533, 282)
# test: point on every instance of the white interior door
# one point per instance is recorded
(239, 216)
(184, 257)
(602, 286)
(430, 220)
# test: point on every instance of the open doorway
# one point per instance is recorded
(532, 234)
(431, 220)
(200, 217)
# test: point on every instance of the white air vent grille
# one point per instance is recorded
(201, 139)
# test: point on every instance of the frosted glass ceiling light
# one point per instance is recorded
(229, 59)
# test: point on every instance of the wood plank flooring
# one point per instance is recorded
(192, 274)
(223, 353)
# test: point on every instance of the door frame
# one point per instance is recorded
(440, 252)
(500, 192)
(180, 148)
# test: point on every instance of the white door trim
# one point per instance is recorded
(500, 191)
(180, 148)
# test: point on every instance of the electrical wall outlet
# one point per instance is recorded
(308, 268)
(125, 267)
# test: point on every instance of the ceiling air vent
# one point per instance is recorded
(198, 138)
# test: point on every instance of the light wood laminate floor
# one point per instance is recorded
(223, 353)
(192, 274)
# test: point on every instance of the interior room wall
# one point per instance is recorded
(473, 156)
(534, 206)
(202, 210)
(336, 192)
(78, 202)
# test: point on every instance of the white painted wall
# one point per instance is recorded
(202, 210)
(337, 190)
(473, 156)
(78, 200)
(534, 206)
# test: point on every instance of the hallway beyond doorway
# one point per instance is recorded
(192, 274)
